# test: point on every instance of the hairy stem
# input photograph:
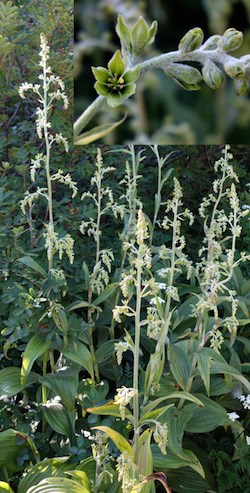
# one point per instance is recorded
(136, 361)
(88, 114)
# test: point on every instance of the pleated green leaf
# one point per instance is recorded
(63, 383)
(180, 365)
(10, 449)
(145, 460)
(10, 381)
(34, 349)
(77, 352)
(207, 418)
(60, 419)
(44, 469)
(58, 485)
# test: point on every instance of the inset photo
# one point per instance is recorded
(157, 72)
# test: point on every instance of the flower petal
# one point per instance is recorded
(114, 100)
(101, 74)
(101, 89)
(132, 75)
(116, 65)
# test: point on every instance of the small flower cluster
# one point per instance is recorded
(102, 457)
(66, 180)
(160, 435)
(245, 401)
(55, 244)
(123, 397)
(126, 472)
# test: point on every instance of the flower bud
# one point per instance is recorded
(235, 70)
(142, 36)
(212, 42)
(192, 40)
(241, 86)
(212, 75)
(231, 40)
(184, 75)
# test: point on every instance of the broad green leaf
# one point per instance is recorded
(106, 293)
(204, 363)
(110, 409)
(172, 461)
(82, 304)
(5, 488)
(186, 480)
(42, 470)
(10, 449)
(58, 485)
(77, 352)
(60, 419)
(172, 395)
(34, 349)
(207, 418)
(105, 351)
(145, 460)
(180, 365)
(177, 420)
(30, 262)
(121, 442)
(63, 383)
(10, 381)
(60, 319)
(155, 414)
(97, 132)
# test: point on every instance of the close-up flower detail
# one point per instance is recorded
(117, 82)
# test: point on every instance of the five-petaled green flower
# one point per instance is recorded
(116, 83)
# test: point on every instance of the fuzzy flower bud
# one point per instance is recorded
(184, 75)
(192, 40)
(231, 40)
(212, 75)
(235, 70)
(241, 86)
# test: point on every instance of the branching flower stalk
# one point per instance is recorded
(104, 203)
(214, 274)
(118, 82)
(49, 89)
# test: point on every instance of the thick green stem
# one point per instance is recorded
(136, 361)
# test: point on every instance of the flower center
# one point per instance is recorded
(116, 82)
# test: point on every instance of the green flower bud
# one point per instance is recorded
(235, 70)
(184, 75)
(241, 86)
(137, 40)
(211, 43)
(231, 40)
(212, 75)
(116, 83)
(124, 34)
(192, 40)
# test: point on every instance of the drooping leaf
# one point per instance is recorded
(145, 459)
(204, 363)
(172, 395)
(121, 442)
(35, 348)
(110, 409)
(33, 265)
(97, 132)
(10, 381)
(76, 351)
(11, 444)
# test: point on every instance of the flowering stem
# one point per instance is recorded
(162, 61)
(88, 114)
(136, 360)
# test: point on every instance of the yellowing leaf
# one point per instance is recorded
(121, 442)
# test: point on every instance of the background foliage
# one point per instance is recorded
(161, 112)
(25, 331)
